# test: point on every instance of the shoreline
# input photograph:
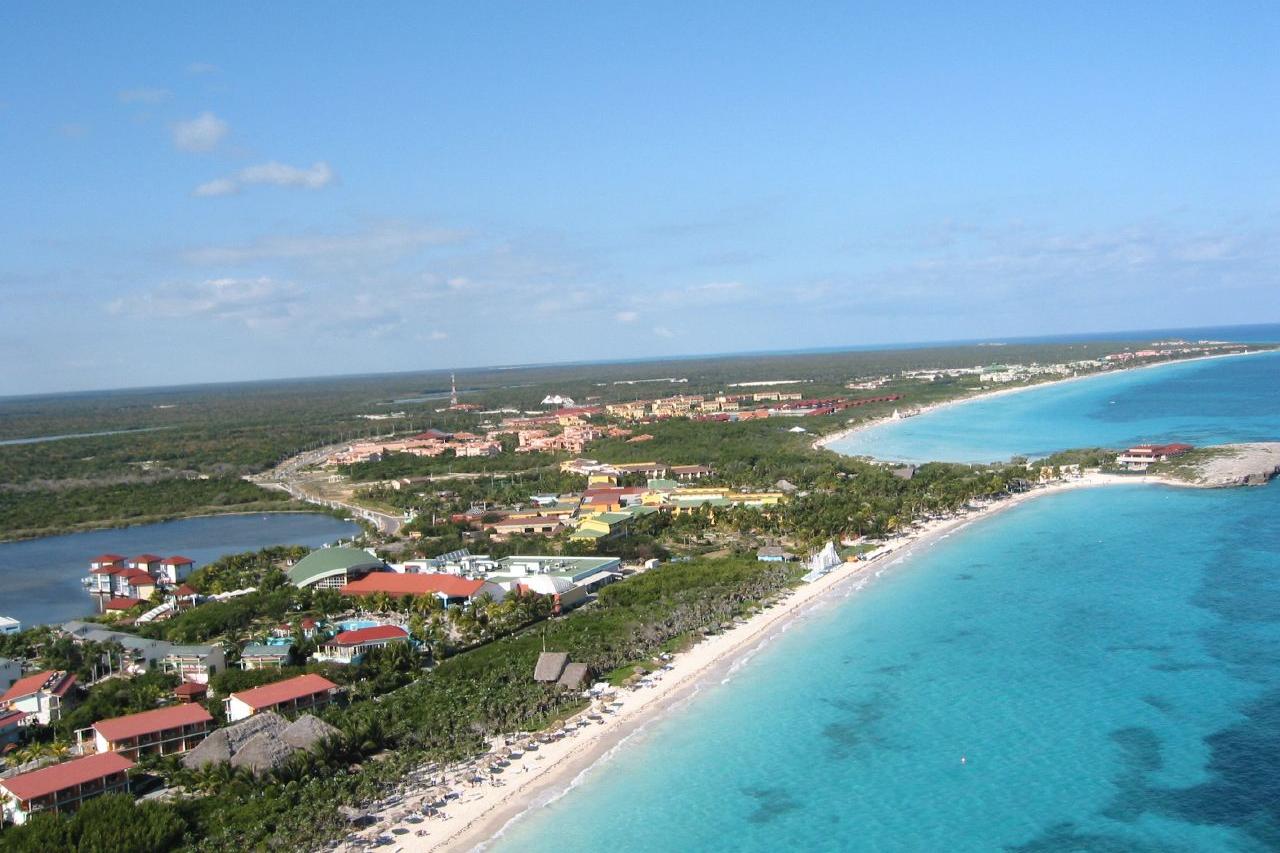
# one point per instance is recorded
(162, 519)
(824, 442)
(482, 814)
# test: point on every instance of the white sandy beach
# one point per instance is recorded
(536, 777)
(827, 440)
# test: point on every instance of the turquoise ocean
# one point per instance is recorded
(1106, 662)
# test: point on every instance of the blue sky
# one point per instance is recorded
(199, 193)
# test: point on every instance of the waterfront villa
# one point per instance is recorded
(63, 787)
(265, 655)
(333, 568)
(293, 694)
(350, 647)
(174, 570)
(43, 696)
(111, 574)
(149, 563)
(164, 731)
(1144, 455)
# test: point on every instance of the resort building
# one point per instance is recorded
(164, 731)
(106, 561)
(350, 647)
(189, 691)
(11, 723)
(43, 696)
(536, 525)
(63, 787)
(1144, 455)
(690, 472)
(149, 563)
(293, 694)
(133, 583)
(174, 570)
(9, 625)
(10, 672)
(774, 554)
(265, 655)
(140, 653)
(601, 526)
(568, 580)
(194, 663)
(333, 568)
(451, 590)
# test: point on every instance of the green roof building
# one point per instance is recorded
(333, 568)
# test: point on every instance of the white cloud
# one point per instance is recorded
(626, 316)
(143, 95)
(202, 68)
(217, 187)
(202, 133)
(251, 301)
(437, 335)
(387, 241)
(319, 176)
(663, 332)
(713, 293)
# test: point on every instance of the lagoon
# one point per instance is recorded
(40, 578)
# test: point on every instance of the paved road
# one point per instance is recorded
(287, 478)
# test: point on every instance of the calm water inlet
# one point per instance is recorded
(40, 578)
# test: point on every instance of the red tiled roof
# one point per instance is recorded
(397, 584)
(190, 688)
(59, 683)
(184, 590)
(147, 558)
(137, 576)
(107, 558)
(11, 718)
(121, 603)
(47, 780)
(308, 622)
(369, 635)
(176, 561)
(282, 691)
(107, 570)
(146, 722)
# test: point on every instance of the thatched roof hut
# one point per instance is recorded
(261, 743)
(262, 753)
(550, 666)
(307, 731)
(575, 675)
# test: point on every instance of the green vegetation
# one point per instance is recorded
(1187, 467)
(446, 714)
(32, 512)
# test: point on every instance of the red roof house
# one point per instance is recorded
(292, 694)
(63, 787)
(164, 731)
(447, 587)
(42, 695)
